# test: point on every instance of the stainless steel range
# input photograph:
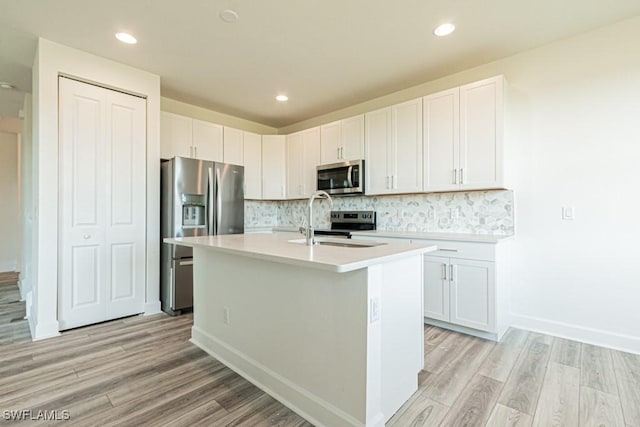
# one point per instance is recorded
(343, 223)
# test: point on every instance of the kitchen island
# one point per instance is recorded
(333, 332)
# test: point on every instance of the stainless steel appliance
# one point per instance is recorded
(343, 223)
(345, 178)
(198, 198)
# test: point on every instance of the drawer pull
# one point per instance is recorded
(448, 250)
(183, 263)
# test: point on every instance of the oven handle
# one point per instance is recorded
(349, 173)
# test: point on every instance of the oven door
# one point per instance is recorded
(341, 178)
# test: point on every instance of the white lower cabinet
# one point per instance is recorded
(465, 285)
(460, 291)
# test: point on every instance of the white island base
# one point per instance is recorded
(339, 348)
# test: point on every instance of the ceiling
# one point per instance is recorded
(324, 54)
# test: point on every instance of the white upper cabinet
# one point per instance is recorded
(481, 134)
(377, 151)
(273, 167)
(330, 142)
(311, 140)
(186, 137)
(175, 136)
(295, 158)
(352, 137)
(463, 137)
(441, 139)
(233, 149)
(207, 141)
(342, 140)
(303, 155)
(252, 146)
(393, 148)
(407, 147)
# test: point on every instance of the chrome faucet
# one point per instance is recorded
(308, 232)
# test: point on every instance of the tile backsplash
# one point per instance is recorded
(481, 212)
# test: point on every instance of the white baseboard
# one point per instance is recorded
(622, 342)
(462, 329)
(41, 331)
(152, 308)
(300, 400)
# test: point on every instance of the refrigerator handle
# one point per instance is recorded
(218, 202)
(211, 226)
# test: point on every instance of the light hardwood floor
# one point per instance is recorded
(13, 326)
(143, 371)
(528, 379)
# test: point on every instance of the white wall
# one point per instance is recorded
(26, 267)
(200, 113)
(50, 61)
(577, 143)
(573, 137)
(9, 209)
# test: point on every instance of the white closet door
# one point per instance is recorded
(102, 204)
(126, 204)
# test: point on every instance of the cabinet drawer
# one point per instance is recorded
(463, 250)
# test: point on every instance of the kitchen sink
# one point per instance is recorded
(344, 243)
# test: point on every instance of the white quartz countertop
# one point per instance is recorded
(462, 237)
(277, 248)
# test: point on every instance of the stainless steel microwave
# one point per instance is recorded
(345, 178)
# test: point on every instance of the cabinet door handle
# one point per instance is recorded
(393, 182)
(461, 176)
(444, 271)
(338, 150)
(388, 181)
(453, 276)
(455, 176)
(447, 250)
(342, 153)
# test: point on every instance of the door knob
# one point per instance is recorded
(86, 236)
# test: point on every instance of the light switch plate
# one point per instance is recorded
(568, 213)
(374, 310)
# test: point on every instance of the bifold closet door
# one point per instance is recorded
(102, 169)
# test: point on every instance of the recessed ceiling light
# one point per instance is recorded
(126, 38)
(444, 29)
(5, 85)
(282, 98)
(229, 16)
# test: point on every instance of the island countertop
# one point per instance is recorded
(278, 248)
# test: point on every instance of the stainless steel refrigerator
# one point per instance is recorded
(198, 198)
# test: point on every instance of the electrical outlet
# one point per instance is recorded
(568, 213)
(227, 315)
(374, 309)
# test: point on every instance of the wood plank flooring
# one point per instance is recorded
(13, 325)
(527, 379)
(142, 371)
